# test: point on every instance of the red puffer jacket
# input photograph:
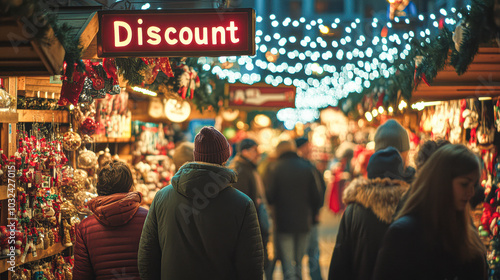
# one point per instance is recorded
(107, 242)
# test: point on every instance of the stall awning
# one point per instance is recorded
(23, 55)
(481, 79)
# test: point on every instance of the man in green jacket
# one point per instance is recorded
(200, 227)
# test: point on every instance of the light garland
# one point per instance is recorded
(325, 71)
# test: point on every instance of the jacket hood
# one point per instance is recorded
(200, 178)
(380, 195)
(116, 209)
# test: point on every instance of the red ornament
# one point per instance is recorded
(88, 126)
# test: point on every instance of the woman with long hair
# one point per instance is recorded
(433, 236)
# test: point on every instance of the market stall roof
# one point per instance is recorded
(22, 54)
(84, 24)
(481, 79)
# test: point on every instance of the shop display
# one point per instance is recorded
(71, 141)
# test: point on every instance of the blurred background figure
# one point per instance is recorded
(371, 205)
(183, 153)
(293, 189)
(342, 173)
(304, 151)
(250, 183)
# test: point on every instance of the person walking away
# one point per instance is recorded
(304, 151)
(107, 242)
(293, 192)
(250, 183)
(200, 227)
(182, 153)
(393, 134)
(435, 224)
(370, 206)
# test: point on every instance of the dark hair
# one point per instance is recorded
(427, 149)
(114, 177)
(431, 198)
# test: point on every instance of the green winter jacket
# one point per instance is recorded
(200, 227)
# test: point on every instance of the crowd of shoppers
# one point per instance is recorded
(216, 222)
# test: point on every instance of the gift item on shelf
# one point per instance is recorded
(113, 119)
(151, 139)
(151, 175)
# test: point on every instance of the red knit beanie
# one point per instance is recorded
(211, 146)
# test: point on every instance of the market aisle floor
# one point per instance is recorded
(327, 235)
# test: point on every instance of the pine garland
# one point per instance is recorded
(131, 69)
(478, 21)
(480, 29)
(435, 55)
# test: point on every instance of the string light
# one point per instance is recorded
(353, 71)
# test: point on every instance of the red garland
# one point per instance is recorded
(159, 64)
(70, 90)
(110, 67)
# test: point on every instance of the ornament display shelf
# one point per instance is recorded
(104, 139)
(54, 250)
(3, 192)
(8, 117)
(43, 116)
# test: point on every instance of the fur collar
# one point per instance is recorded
(380, 195)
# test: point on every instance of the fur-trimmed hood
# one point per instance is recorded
(380, 195)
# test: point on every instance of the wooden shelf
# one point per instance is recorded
(54, 250)
(43, 116)
(3, 192)
(8, 117)
(103, 139)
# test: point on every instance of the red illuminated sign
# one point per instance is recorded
(176, 33)
(261, 95)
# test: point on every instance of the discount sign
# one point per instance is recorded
(176, 33)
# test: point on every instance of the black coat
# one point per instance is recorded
(371, 204)
(406, 255)
(201, 228)
(246, 178)
(294, 191)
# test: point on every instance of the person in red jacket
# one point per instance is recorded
(108, 241)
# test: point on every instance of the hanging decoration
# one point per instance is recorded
(188, 82)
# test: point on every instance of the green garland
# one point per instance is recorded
(480, 29)
(478, 21)
(131, 69)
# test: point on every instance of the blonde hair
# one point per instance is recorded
(285, 146)
(431, 199)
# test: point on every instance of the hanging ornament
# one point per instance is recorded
(71, 88)
(458, 34)
(88, 126)
(71, 140)
(188, 82)
(104, 156)
(97, 83)
(5, 99)
(87, 159)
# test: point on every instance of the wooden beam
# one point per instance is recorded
(89, 32)
(52, 55)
